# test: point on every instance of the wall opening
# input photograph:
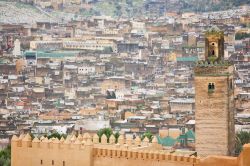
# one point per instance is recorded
(213, 53)
(211, 87)
(231, 84)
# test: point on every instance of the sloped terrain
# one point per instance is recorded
(15, 12)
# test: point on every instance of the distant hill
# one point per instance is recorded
(208, 5)
(147, 7)
(16, 12)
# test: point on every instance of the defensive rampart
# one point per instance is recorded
(86, 150)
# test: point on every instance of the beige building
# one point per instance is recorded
(115, 83)
(181, 105)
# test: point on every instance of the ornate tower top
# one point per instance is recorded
(214, 44)
(214, 30)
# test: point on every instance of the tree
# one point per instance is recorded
(5, 156)
(242, 138)
(56, 135)
(240, 36)
(147, 134)
(107, 131)
(116, 135)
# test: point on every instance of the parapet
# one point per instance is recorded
(84, 140)
(205, 68)
(142, 154)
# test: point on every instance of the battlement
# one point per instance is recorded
(144, 155)
(87, 150)
(84, 140)
(223, 68)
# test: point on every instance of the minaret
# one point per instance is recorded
(214, 103)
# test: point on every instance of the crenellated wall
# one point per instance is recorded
(86, 150)
(126, 157)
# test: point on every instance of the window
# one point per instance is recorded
(41, 162)
(52, 162)
(211, 87)
(63, 163)
(213, 53)
(230, 84)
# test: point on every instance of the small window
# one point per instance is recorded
(213, 53)
(52, 162)
(230, 84)
(63, 163)
(41, 162)
(211, 87)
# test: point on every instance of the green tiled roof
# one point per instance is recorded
(189, 136)
(28, 53)
(53, 54)
(187, 59)
(167, 141)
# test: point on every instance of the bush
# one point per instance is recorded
(242, 138)
(5, 156)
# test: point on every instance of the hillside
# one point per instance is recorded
(136, 8)
(16, 12)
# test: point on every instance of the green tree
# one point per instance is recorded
(239, 36)
(56, 135)
(242, 138)
(147, 134)
(107, 131)
(5, 156)
(116, 135)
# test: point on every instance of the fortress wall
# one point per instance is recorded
(27, 152)
(86, 150)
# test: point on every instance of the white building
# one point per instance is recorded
(84, 70)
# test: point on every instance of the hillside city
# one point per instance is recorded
(127, 67)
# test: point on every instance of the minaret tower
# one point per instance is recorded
(214, 101)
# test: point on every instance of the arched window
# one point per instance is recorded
(211, 87)
(213, 53)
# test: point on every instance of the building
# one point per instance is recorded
(181, 105)
(214, 104)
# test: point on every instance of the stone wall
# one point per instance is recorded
(86, 150)
(214, 116)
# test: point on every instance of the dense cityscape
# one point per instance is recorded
(165, 81)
